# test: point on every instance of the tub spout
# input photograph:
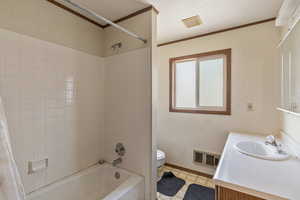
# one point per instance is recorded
(117, 161)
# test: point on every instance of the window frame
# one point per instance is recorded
(209, 110)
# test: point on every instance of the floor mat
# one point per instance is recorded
(169, 184)
(199, 192)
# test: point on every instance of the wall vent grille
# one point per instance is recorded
(198, 157)
(192, 21)
(206, 158)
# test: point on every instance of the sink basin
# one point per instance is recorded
(260, 150)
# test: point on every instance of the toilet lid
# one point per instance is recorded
(160, 155)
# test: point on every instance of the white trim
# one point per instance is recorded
(282, 81)
(288, 111)
(287, 9)
(295, 18)
(290, 80)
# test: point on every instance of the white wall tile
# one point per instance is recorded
(53, 98)
(59, 106)
(128, 109)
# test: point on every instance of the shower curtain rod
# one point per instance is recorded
(105, 20)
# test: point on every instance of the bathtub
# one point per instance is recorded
(100, 182)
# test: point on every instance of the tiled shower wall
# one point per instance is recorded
(53, 98)
(128, 110)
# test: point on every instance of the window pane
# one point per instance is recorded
(185, 84)
(211, 80)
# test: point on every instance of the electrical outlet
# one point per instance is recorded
(36, 166)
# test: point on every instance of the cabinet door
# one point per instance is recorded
(228, 194)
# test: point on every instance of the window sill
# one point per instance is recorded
(200, 111)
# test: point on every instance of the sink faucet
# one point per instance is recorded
(271, 140)
(117, 161)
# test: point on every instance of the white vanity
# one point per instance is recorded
(245, 177)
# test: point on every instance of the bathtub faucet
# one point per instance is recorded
(117, 161)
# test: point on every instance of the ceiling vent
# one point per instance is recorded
(192, 21)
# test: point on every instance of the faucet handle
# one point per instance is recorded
(270, 139)
(120, 149)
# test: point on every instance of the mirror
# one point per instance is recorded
(290, 71)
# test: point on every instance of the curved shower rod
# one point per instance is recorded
(92, 13)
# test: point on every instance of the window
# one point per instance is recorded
(201, 83)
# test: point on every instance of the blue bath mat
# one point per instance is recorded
(199, 192)
(169, 184)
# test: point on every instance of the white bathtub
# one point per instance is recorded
(95, 183)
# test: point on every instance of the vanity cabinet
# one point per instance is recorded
(223, 193)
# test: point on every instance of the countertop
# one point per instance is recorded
(271, 180)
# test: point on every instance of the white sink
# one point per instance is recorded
(260, 150)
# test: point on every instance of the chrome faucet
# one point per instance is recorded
(120, 150)
(117, 161)
(271, 140)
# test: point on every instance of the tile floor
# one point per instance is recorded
(189, 179)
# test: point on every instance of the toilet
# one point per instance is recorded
(161, 158)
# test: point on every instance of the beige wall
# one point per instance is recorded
(255, 79)
(45, 21)
(290, 124)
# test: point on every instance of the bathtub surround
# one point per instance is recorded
(57, 94)
(129, 84)
(52, 108)
(255, 79)
(127, 108)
